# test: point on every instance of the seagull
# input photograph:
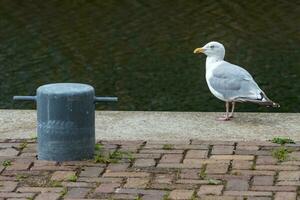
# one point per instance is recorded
(228, 82)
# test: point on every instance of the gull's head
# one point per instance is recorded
(212, 49)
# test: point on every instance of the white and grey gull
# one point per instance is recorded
(229, 82)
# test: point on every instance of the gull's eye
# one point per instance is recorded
(212, 46)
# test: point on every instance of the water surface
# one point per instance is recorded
(141, 51)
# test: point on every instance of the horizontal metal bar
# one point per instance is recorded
(25, 98)
(106, 99)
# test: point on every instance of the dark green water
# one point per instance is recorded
(141, 51)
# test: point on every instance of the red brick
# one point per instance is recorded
(140, 191)
(276, 167)
(91, 171)
(8, 152)
(263, 180)
(62, 175)
(117, 167)
(222, 150)
(253, 172)
(210, 189)
(16, 195)
(126, 174)
(8, 186)
(163, 178)
(289, 175)
(216, 168)
(196, 154)
(265, 160)
(136, 183)
(144, 163)
(100, 180)
(189, 174)
(181, 194)
(296, 183)
(171, 158)
(247, 193)
(237, 185)
(77, 193)
(79, 184)
(232, 157)
(156, 151)
(242, 164)
(285, 196)
(48, 196)
(106, 188)
(40, 189)
(275, 188)
(147, 155)
(17, 165)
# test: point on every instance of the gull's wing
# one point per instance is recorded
(234, 83)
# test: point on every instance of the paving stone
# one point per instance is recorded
(181, 194)
(125, 196)
(253, 172)
(171, 158)
(275, 188)
(189, 174)
(296, 183)
(216, 168)
(106, 188)
(16, 195)
(285, 196)
(126, 174)
(17, 165)
(117, 167)
(48, 196)
(289, 175)
(237, 185)
(140, 191)
(91, 171)
(196, 154)
(247, 193)
(222, 150)
(265, 160)
(155, 151)
(263, 180)
(8, 152)
(163, 178)
(40, 189)
(8, 186)
(147, 155)
(213, 142)
(242, 164)
(62, 175)
(210, 189)
(136, 183)
(277, 167)
(232, 157)
(144, 163)
(78, 184)
(100, 180)
(77, 193)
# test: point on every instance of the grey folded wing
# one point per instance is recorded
(234, 83)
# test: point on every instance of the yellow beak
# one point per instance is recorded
(199, 50)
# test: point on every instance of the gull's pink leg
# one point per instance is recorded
(232, 110)
(226, 117)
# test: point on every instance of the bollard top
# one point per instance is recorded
(65, 88)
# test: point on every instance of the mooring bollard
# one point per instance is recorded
(66, 120)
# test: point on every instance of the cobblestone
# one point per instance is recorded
(206, 170)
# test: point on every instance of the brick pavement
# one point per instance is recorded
(156, 170)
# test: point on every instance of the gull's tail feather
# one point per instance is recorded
(264, 101)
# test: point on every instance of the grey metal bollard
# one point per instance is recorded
(66, 120)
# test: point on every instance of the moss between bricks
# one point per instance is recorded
(282, 140)
(112, 157)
